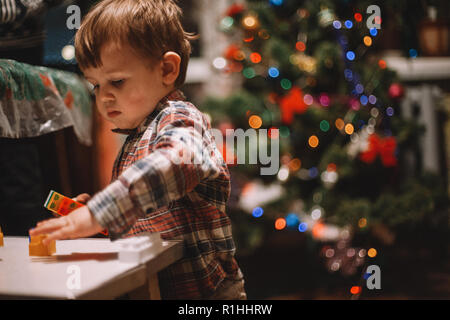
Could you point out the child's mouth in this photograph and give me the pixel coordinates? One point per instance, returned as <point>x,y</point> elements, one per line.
<point>113,114</point>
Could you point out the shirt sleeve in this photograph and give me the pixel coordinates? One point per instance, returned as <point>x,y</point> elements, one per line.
<point>182,157</point>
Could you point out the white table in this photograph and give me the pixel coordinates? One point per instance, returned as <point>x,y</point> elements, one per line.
<point>80,269</point>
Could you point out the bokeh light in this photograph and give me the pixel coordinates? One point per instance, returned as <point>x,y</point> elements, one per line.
<point>302,227</point>
<point>355,290</point>
<point>350,55</point>
<point>280,223</point>
<point>257,212</point>
<point>273,72</point>
<point>339,123</point>
<point>349,129</point>
<point>300,46</point>
<point>255,57</point>
<point>255,121</point>
<point>313,141</point>
<point>324,125</point>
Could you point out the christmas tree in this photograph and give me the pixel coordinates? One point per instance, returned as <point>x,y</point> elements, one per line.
<point>311,69</point>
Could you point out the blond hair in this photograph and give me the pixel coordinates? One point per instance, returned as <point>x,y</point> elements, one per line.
<point>150,27</point>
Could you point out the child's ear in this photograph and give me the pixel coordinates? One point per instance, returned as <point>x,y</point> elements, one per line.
<point>170,67</point>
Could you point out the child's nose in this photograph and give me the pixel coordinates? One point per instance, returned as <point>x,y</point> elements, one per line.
<point>105,96</point>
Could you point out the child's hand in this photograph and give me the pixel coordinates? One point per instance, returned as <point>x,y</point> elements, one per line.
<point>82,198</point>
<point>77,224</point>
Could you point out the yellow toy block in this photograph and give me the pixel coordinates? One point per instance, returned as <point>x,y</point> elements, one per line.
<point>1,237</point>
<point>36,248</point>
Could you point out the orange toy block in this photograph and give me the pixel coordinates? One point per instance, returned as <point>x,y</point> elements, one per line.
<point>63,205</point>
<point>1,238</point>
<point>36,248</point>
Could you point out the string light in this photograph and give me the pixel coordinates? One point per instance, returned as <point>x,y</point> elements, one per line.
<point>295,164</point>
<point>373,32</point>
<point>283,173</point>
<point>390,111</point>
<point>324,125</point>
<point>313,172</point>
<point>348,74</point>
<point>313,141</point>
<point>280,224</point>
<point>349,129</point>
<point>273,72</point>
<point>255,57</point>
<point>339,123</point>
<point>308,99</point>
<point>363,99</point>
<point>249,73</point>
<point>359,88</point>
<point>362,223</point>
<point>255,121</point>
<point>355,289</point>
<point>367,41</point>
<point>302,227</point>
<point>382,64</point>
<point>337,24</point>
<point>250,22</point>
<point>226,23</point>
<point>257,212</point>
<point>324,100</point>
<point>286,84</point>
<point>372,253</point>
<point>358,17</point>
<point>350,55</point>
<point>348,24</point>
<point>300,46</point>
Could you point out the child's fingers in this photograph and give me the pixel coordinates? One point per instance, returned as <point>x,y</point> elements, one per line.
<point>59,234</point>
<point>48,226</point>
<point>83,198</point>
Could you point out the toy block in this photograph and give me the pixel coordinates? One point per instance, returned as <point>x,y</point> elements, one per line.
<point>60,204</point>
<point>139,249</point>
<point>37,248</point>
<point>1,237</point>
<point>63,205</point>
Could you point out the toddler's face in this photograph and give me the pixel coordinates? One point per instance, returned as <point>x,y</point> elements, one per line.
<point>126,88</point>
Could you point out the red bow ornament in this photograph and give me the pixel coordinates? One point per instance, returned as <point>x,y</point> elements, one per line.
<point>385,147</point>
<point>292,103</point>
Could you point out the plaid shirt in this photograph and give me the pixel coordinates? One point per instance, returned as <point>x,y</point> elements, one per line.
<point>170,178</point>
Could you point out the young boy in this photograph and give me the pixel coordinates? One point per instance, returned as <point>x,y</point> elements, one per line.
<point>169,176</point>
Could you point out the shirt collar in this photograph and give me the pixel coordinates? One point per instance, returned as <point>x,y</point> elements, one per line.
<point>172,96</point>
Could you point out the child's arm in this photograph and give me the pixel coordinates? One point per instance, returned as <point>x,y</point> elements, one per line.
<point>183,156</point>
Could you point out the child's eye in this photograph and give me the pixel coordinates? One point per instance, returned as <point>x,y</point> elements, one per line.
<point>117,83</point>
